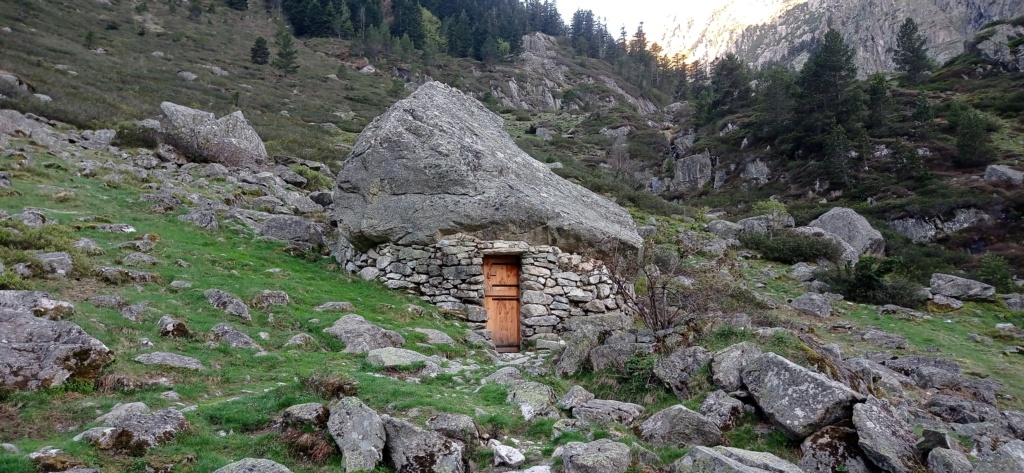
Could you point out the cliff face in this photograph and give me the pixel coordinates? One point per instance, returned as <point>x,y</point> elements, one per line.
<point>786,30</point>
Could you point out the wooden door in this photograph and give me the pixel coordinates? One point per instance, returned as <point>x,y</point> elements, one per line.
<point>501,299</point>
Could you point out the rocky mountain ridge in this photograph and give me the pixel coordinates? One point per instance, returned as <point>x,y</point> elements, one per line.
<point>788,29</point>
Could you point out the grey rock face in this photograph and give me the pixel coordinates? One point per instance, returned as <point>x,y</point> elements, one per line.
<point>814,304</point>
<point>600,411</point>
<point>692,172</point>
<point>38,303</point>
<point>885,438</point>
<point>832,448</point>
<point>295,229</point>
<point>410,449</point>
<point>359,433</point>
<point>995,47</point>
<point>170,359</point>
<point>452,153</point>
<point>798,401</point>
<point>37,353</point>
<point>961,411</point>
<point>722,409</point>
<point>727,365</point>
<point>944,460</point>
<point>228,140</point>
<point>228,303</point>
<point>235,339</point>
<point>577,351</point>
<point>678,425</point>
<point>600,456</point>
<point>360,336</point>
<point>139,431</point>
<point>253,465</point>
<point>999,173</point>
<point>676,369</point>
<point>535,400</point>
<point>853,228</point>
<point>1008,458</point>
<point>962,288</point>
<point>55,265</point>
<point>878,376</point>
<point>455,426</point>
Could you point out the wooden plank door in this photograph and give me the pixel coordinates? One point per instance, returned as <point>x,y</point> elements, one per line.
<point>501,299</point>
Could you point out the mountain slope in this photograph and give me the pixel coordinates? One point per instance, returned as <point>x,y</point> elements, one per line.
<point>785,30</point>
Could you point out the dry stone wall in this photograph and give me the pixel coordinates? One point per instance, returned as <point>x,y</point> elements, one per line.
<point>554,285</point>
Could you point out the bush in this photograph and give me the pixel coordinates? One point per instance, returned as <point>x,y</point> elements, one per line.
<point>132,135</point>
<point>870,282</point>
<point>789,247</point>
<point>995,270</point>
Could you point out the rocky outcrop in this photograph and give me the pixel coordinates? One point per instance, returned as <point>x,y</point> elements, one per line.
<point>1000,173</point>
<point>692,173</point>
<point>438,162</point>
<point>885,438</point>
<point>920,229</point>
<point>600,411</point>
<point>785,31</point>
<point>798,401</point>
<point>676,369</point>
<point>994,45</point>
<point>731,460</point>
<point>228,140</point>
<point>853,229</point>
<point>38,353</point>
<point>727,365</point>
<point>253,465</point>
<point>832,448</point>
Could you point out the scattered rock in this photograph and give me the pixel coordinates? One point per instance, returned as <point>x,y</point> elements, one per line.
<point>961,288</point>
<point>676,369</point>
<point>944,460</point>
<point>228,303</point>
<point>814,304</point>
<point>335,307</point>
<point>577,396</point>
<point>798,401</point>
<point>535,400</point>
<point>232,337</point>
<point>506,375</point>
<point>411,449</point>
<point>139,259</point>
<point>38,303</point>
<point>55,265</point>
<point>170,359</point>
<point>436,337</point>
<point>599,456</point>
<point>170,327</point>
<point>124,276</point>
<point>885,438</point>
<point>505,455</point>
<point>390,357</point>
<point>267,299</point>
<point>885,339</point>
<point>253,465</point>
<point>360,336</point>
<point>601,411</point>
<point>831,449</point>
<point>359,432</point>
<point>679,426</point>
<point>727,365</point>
<point>455,426</point>
<point>228,140</point>
<point>1000,173</point>
<point>852,228</point>
<point>722,409</point>
<point>761,461</point>
<point>295,230</point>
<point>38,353</point>
<point>1009,458</point>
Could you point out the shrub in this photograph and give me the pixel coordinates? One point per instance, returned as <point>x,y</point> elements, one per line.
<point>789,247</point>
<point>871,282</point>
<point>995,270</point>
<point>315,181</point>
<point>132,135</point>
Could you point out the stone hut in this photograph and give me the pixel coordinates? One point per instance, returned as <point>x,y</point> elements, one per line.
<point>437,199</point>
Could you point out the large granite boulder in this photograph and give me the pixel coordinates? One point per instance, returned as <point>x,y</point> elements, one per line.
<point>797,400</point>
<point>692,173</point>
<point>731,460</point>
<point>885,438</point>
<point>203,137</point>
<point>834,448</point>
<point>675,370</point>
<point>601,411</point>
<point>410,449</point>
<point>38,353</point>
<point>361,336</point>
<point>1008,458</point>
<point>599,456</point>
<point>999,173</point>
<point>678,425</point>
<point>359,433</point>
<point>439,163</point>
<point>852,228</point>
<point>962,288</point>
<point>728,363</point>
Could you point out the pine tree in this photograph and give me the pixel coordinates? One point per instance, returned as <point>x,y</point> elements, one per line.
<point>732,84</point>
<point>922,109</point>
<point>195,11</point>
<point>341,23</point>
<point>878,100</point>
<point>837,156</point>
<point>911,55</point>
<point>287,56</point>
<point>827,93</point>
<point>973,143</point>
<point>260,53</point>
